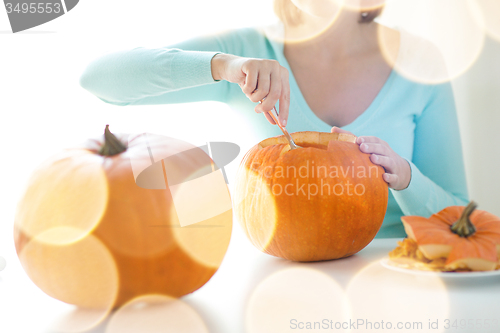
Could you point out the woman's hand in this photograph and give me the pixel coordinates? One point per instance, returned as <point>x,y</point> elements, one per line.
<point>259,79</point>
<point>397,170</point>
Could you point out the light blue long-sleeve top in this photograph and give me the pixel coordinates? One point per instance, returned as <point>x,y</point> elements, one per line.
<point>417,120</point>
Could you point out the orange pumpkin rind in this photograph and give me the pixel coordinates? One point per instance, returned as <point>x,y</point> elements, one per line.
<point>435,240</point>
<point>303,226</point>
<point>87,234</point>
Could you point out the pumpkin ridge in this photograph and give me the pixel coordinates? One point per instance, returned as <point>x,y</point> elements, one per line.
<point>449,214</point>
<point>446,219</point>
<point>424,232</point>
<point>485,236</point>
<point>486,219</point>
<point>473,249</point>
<point>430,238</point>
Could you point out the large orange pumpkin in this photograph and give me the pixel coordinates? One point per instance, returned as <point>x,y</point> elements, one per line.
<point>88,235</point>
<point>324,201</point>
<point>467,238</point>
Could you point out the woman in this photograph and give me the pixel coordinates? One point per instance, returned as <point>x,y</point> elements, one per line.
<point>338,78</point>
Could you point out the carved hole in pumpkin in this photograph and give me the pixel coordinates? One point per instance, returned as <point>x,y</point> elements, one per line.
<point>311,145</point>
<point>309,139</point>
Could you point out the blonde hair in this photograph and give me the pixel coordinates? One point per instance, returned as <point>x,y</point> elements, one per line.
<point>289,14</point>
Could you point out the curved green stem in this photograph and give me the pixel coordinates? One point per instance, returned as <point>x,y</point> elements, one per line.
<point>464,227</point>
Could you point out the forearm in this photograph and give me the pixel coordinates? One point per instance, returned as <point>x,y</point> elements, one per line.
<point>423,197</point>
<point>127,77</point>
<point>437,166</point>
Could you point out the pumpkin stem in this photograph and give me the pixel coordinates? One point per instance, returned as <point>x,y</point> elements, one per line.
<point>112,145</point>
<point>464,227</point>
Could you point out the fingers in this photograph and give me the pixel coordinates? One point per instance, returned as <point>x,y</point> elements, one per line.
<point>390,179</point>
<point>386,162</point>
<point>268,117</point>
<point>250,83</point>
<point>375,148</point>
<point>274,91</point>
<point>260,72</point>
<point>284,99</point>
<point>398,170</point>
<point>336,129</point>
<point>369,139</point>
<point>263,86</point>
<point>267,82</point>
<point>380,154</point>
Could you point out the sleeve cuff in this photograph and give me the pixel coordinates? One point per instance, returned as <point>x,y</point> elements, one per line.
<point>193,68</point>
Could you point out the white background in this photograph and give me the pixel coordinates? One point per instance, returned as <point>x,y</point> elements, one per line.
<point>43,109</point>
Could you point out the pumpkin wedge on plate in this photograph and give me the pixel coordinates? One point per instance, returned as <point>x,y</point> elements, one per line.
<point>457,238</point>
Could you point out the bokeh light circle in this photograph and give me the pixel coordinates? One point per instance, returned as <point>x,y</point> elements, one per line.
<point>251,190</point>
<point>315,17</point>
<point>439,40</point>
<point>67,193</point>
<point>364,5</point>
<point>82,272</point>
<point>490,10</point>
<point>79,320</point>
<point>376,293</point>
<point>292,296</point>
<point>155,314</point>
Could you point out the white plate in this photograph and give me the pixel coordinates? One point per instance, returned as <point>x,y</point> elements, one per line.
<point>386,262</point>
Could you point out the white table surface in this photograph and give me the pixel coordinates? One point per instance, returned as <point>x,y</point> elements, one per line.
<point>256,293</point>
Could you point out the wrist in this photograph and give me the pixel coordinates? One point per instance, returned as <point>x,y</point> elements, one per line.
<point>218,65</point>
<point>407,174</point>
